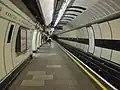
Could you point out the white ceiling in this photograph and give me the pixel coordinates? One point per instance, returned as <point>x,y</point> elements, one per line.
<point>48,5</point>
<point>101,9</point>
<point>81,3</point>
<point>84,3</point>
<point>47,9</point>
<point>61,12</point>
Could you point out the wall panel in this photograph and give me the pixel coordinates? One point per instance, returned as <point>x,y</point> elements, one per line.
<point>3,27</point>
<point>116,56</point>
<point>97,31</point>
<point>85,48</point>
<point>98,35</point>
<point>79,34</point>
<point>106,53</point>
<point>82,46</point>
<point>106,34</point>
<point>115,27</point>
<point>97,51</point>
<point>103,40</point>
<point>34,41</point>
<point>105,30</point>
<point>69,34</point>
<point>91,40</point>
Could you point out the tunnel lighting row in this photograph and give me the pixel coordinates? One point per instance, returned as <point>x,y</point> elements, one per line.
<point>68,17</point>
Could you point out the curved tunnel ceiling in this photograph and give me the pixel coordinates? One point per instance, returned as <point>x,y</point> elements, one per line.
<point>75,11</point>
<point>76,8</point>
<point>47,9</point>
<point>57,7</point>
<point>72,8</point>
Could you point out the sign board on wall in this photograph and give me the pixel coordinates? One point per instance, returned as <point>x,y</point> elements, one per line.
<point>29,39</point>
<point>23,39</point>
<point>12,16</point>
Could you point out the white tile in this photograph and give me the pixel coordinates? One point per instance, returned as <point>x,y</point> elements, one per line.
<point>53,66</point>
<point>106,53</point>
<point>43,77</point>
<point>97,51</point>
<point>86,48</point>
<point>97,31</point>
<point>32,83</point>
<point>36,73</point>
<point>105,30</point>
<point>116,57</point>
<point>115,26</point>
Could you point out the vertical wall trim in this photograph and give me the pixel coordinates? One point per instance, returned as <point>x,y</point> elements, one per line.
<point>88,39</point>
<point>94,39</point>
<point>4,47</point>
<point>111,39</point>
<point>12,44</point>
<point>101,38</point>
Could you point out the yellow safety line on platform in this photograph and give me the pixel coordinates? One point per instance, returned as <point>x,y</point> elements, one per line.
<point>86,71</point>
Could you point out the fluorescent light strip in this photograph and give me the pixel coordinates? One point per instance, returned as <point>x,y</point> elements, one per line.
<point>61,12</point>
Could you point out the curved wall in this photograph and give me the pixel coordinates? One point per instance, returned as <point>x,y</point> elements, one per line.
<point>101,39</point>
<point>11,21</point>
<point>96,30</point>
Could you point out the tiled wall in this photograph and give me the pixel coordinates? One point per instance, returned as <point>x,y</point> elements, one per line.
<point>104,39</point>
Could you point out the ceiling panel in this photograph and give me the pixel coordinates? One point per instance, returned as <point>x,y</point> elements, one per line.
<point>79,6</point>
<point>98,11</point>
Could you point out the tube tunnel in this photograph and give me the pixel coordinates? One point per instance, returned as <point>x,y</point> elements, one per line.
<point>59,45</point>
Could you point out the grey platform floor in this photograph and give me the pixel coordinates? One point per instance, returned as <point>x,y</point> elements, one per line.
<point>52,69</point>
